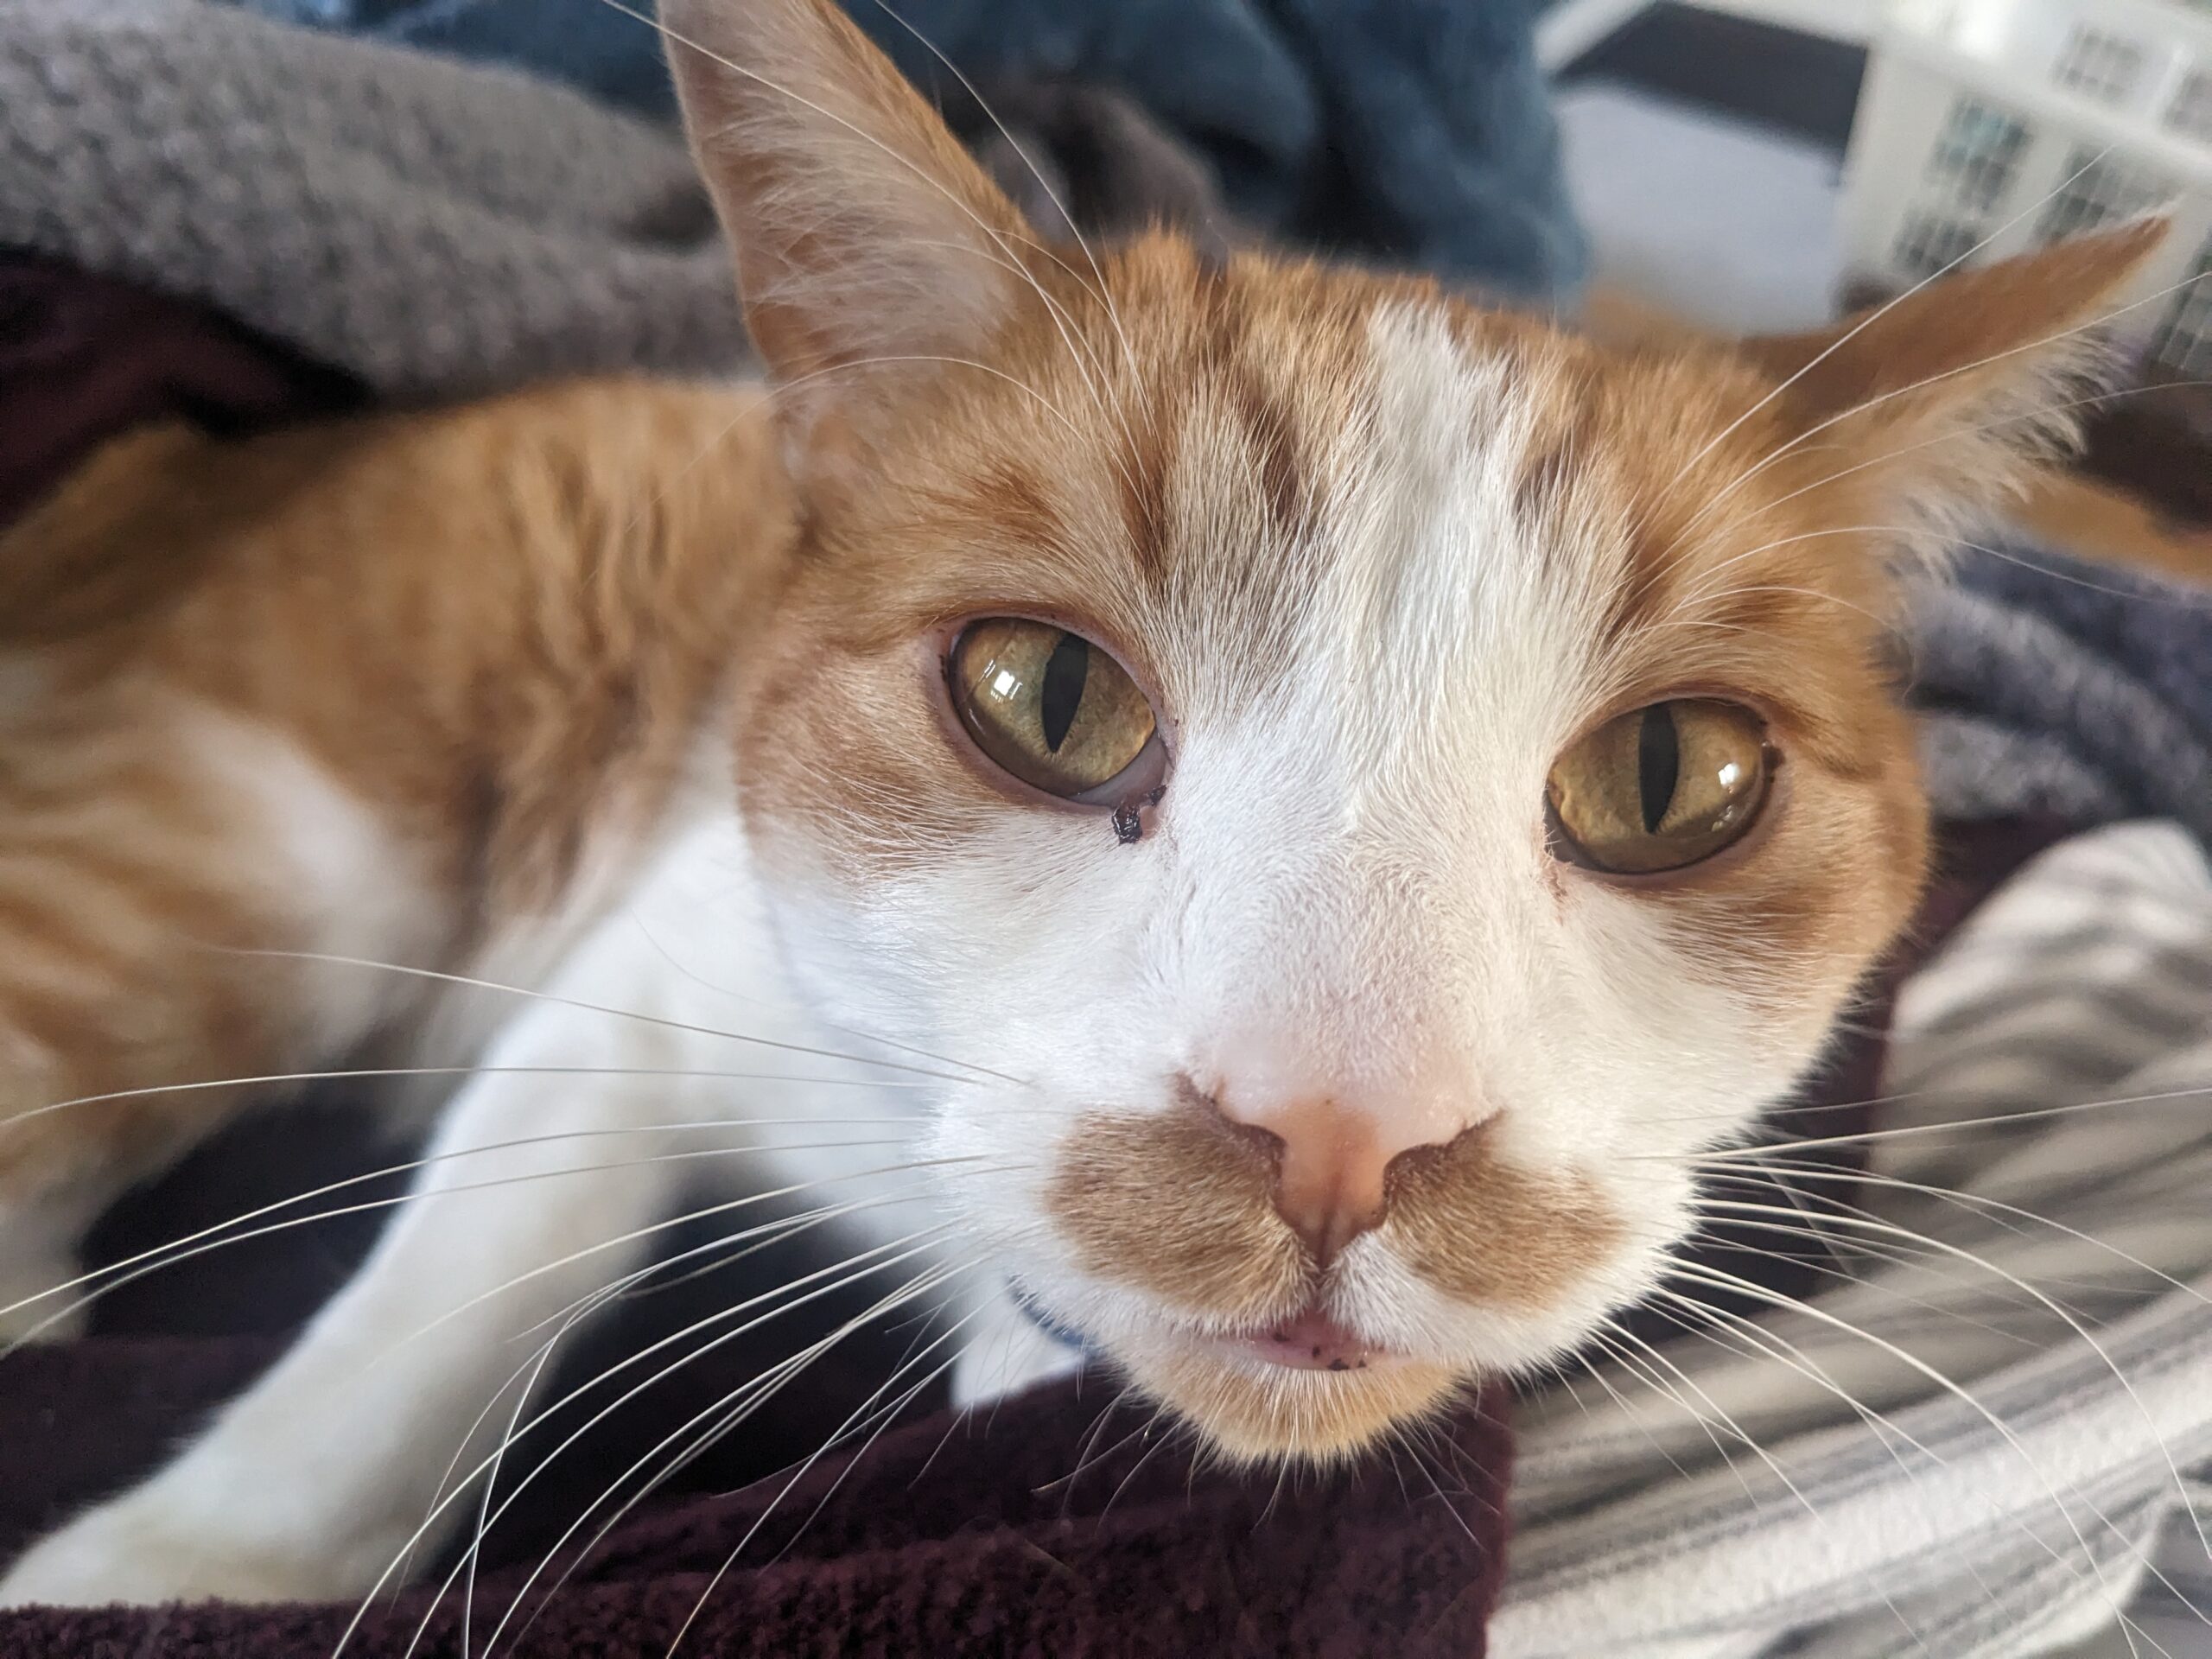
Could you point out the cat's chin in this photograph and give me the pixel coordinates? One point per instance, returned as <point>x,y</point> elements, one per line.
<point>1255,1405</point>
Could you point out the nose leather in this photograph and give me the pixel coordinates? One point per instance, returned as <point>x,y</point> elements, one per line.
<point>1333,1166</point>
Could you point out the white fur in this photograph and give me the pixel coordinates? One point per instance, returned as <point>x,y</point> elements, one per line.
<point>353,887</point>
<point>541,1188</point>
<point>1345,889</point>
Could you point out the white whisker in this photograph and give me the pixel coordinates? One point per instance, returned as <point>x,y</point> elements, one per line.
<point>2049,1303</point>
<point>884,1256</point>
<point>1717,1278</point>
<point>761,1389</point>
<point>2028,348</point>
<point>372,1073</point>
<point>162,1256</point>
<point>1882,310</point>
<point>858,1415</point>
<point>583,1006</point>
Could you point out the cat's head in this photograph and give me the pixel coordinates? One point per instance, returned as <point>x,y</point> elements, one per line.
<point>1372,786</point>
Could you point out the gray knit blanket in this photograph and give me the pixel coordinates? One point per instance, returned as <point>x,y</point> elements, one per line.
<point>1976,1447</point>
<point>439,229</point>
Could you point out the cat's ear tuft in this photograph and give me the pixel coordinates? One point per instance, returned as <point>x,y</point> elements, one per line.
<point>1947,396</point>
<point>865,237</point>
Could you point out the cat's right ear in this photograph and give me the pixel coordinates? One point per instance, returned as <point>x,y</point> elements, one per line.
<point>867,242</point>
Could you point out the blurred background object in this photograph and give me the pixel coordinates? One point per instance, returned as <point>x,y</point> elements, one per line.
<point>1748,164</point>
<point>1414,131</point>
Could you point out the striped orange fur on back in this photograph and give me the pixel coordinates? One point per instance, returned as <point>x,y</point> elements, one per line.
<point>480,643</point>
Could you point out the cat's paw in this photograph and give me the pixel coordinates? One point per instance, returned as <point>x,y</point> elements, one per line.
<point>131,1551</point>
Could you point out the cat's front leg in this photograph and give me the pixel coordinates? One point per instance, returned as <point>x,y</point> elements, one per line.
<point>545,1172</point>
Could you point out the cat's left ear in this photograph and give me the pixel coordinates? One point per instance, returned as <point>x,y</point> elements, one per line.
<point>1945,396</point>
<point>870,247</point>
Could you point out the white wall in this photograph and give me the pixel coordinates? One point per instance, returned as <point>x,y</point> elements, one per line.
<point>1572,27</point>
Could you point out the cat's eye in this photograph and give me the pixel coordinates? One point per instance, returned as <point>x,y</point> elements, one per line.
<point>1053,709</point>
<point>1661,787</point>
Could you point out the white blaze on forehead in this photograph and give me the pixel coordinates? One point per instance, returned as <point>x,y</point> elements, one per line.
<point>1363,843</point>
<point>1443,646</point>
<point>1455,601</point>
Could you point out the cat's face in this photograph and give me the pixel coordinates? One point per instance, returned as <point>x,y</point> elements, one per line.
<point>1375,570</point>
<point>1370,788</point>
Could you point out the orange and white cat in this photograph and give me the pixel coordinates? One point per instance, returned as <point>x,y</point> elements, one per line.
<point>1262,811</point>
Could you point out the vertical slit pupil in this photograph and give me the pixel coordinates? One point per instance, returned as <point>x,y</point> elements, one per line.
<point>1658,764</point>
<point>1065,672</point>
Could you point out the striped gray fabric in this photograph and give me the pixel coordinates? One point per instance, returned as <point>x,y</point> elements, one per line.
<point>1991,1438</point>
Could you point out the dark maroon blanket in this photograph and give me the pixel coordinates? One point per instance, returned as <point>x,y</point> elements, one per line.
<point>1054,1526</point>
<point>944,1540</point>
<point>82,358</point>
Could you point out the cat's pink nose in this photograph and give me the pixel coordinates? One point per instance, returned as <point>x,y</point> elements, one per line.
<point>1332,1181</point>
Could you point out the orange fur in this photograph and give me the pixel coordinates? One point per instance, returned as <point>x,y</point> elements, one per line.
<point>1178,1204</point>
<point>503,630</point>
<point>500,626</point>
<point>1485,1232</point>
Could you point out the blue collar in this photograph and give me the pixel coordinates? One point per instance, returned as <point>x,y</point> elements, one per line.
<point>1066,1335</point>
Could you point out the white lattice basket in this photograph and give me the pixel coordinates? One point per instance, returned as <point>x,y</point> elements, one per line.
<point>2003,124</point>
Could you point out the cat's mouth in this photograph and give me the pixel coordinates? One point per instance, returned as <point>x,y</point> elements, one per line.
<point>1307,1388</point>
<point>1311,1340</point>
